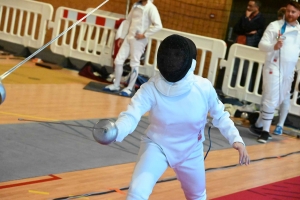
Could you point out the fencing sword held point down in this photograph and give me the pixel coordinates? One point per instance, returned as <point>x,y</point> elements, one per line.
<point>2,89</point>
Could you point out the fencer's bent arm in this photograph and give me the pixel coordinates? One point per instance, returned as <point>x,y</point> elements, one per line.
<point>221,118</point>
<point>156,22</point>
<point>268,40</point>
<point>128,120</point>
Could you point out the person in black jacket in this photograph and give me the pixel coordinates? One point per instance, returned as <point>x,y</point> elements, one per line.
<point>249,30</point>
<point>250,26</point>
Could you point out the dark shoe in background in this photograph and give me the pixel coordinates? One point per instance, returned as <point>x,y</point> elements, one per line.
<point>258,131</point>
<point>263,138</point>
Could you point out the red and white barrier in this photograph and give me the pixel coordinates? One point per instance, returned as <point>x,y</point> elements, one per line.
<point>74,15</point>
<point>24,22</point>
<point>105,13</point>
<point>92,40</point>
<point>95,36</point>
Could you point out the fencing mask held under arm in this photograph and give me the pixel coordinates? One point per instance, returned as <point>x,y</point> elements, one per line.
<point>174,57</point>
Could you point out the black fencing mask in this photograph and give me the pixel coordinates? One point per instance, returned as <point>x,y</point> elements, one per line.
<point>174,57</point>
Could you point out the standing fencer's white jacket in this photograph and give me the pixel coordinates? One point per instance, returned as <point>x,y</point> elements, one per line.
<point>291,45</point>
<point>140,19</point>
<point>177,114</point>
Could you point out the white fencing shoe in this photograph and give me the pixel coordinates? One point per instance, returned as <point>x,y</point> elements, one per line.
<point>127,92</point>
<point>111,88</point>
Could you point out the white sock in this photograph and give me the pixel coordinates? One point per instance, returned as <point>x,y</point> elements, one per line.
<point>284,110</point>
<point>267,117</point>
<point>133,76</point>
<point>118,75</point>
<point>267,125</point>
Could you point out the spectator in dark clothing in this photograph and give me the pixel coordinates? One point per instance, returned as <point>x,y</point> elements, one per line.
<point>251,26</point>
<point>249,30</point>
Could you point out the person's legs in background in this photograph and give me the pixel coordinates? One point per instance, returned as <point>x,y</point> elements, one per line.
<point>119,61</point>
<point>137,48</point>
<point>270,100</point>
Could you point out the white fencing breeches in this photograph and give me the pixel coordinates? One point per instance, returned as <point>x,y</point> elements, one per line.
<point>133,47</point>
<point>152,163</point>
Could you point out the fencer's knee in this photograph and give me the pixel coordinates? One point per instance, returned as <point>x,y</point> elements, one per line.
<point>286,102</point>
<point>138,193</point>
<point>268,106</point>
<point>135,63</point>
<point>197,195</point>
<point>135,196</point>
<point>195,191</point>
<point>141,187</point>
<point>118,66</point>
<point>119,61</point>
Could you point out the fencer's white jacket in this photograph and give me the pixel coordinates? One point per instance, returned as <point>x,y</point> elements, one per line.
<point>291,45</point>
<point>177,114</point>
<point>141,19</point>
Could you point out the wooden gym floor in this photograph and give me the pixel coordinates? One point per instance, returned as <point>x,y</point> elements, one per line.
<point>42,94</point>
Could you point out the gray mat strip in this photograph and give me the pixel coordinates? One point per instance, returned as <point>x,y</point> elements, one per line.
<point>37,149</point>
<point>98,87</point>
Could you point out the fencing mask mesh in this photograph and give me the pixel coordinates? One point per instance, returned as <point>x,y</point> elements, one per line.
<point>174,57</point>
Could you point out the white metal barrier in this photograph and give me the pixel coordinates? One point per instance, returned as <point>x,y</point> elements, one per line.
<point>92,40</point>
<point>105,13</point>
<point>249,58</point>
<point>24,22</point>
<point>216,47</point>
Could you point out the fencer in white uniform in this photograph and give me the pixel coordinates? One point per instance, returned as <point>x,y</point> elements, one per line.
<point>178,103</point>
<point>142,22</point>
<point>278,70</point>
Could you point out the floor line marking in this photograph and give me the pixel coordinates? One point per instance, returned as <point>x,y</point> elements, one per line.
<point>117,190</point>
<point>20,115</point>
<point>53,178</point>
<point>38,192</point>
